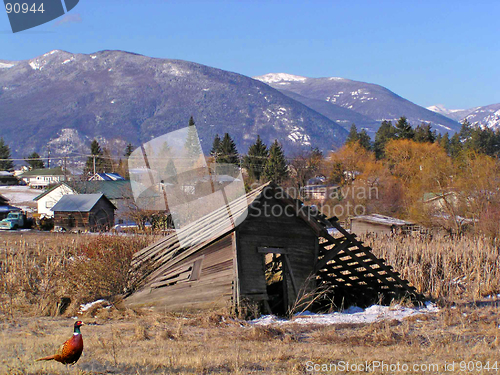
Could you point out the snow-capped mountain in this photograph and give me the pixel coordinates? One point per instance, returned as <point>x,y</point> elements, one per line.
<point>486,117</point>
<point>375,103</point>
<point>66,100</point>
<point>455,114</point>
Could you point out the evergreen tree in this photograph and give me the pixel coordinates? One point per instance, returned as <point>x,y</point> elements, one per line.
<point>353,135</point>
<point>215,151</point>
<point>404,129</point>
<point>256,158</point>
<point>386,132</point>
<point>276,168</point>
<point>34,161</point>
<point>96,152</point>
<point>171,172</point>
<point>455,145</point>
<point>423,134</point>
<point>445,143</point>
<point>465,131</point>
<point>128,150</point>
<point>106,161</point>
<point>164,151</point>
<point>362,137</point>
<point>6,163</point>
<point>192,144</point>
<point>364,140</point>
<point>228,154</point>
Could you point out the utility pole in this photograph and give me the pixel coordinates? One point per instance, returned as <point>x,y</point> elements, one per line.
<point>48,157</point>
<point>65,169</point>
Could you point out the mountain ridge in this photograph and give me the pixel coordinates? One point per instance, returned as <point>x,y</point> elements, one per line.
<point>487,116</point>
<point>92,95</point>
<point>368,99</point>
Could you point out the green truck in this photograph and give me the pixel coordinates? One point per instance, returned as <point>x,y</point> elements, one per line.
<point>13,221</point>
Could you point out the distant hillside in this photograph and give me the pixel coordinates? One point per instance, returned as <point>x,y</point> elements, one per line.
<point>373,102</point>
<point>454,114</point>
<point>487,116</point>
<point>68,99</point>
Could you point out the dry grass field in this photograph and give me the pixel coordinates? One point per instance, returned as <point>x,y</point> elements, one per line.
<point>37,270</point>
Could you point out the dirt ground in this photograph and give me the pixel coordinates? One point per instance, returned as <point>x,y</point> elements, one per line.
<point>145,342</point>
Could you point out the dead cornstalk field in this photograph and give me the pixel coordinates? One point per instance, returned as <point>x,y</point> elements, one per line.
<point>38,272</point>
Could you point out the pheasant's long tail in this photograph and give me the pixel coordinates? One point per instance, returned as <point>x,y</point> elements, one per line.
<point>48,358</point>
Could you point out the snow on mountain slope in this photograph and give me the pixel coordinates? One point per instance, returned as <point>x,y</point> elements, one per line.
<point>486,117</point>
<point>280,78</point>
<point>455,114</point>
<point>370,100</point>
<point>74,98</point>
<point>6,65</point>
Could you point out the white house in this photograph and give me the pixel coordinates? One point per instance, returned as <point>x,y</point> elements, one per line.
<point>50,197</point>
<point>43,178</point>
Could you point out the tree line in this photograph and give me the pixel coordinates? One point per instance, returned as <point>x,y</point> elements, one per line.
<point>469,138</point>
<point>33,160</point>
<point>261,162</point>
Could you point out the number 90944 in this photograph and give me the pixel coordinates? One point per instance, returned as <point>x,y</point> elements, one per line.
<point>23,8</point>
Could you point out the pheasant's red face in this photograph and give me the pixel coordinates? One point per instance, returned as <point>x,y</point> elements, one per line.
<point>78,324</point>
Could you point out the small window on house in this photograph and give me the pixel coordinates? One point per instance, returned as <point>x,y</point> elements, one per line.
<point>49,204</point>
<point>187,273</point>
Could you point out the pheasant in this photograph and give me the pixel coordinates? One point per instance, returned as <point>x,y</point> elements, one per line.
<point>71,350</point>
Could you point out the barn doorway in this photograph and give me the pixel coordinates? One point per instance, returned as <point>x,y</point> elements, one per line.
<point>276,283</point>
<point>278,280</point>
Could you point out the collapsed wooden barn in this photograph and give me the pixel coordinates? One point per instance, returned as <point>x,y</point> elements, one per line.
<point>278,252</point>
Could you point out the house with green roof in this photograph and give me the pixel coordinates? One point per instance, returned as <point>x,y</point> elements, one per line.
<point>43,178</point>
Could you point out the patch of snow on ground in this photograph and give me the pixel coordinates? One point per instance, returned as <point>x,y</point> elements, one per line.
<point>5,66</point>
<point>19,194</point>
<point>353,315</point>
<point>89,305</point>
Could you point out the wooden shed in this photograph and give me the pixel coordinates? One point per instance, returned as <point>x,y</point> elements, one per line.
<point>379,224</point>
<point>92,212</point>
<point>280,250</point>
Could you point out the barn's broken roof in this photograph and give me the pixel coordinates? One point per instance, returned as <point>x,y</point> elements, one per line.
<point>78,202</point>
<point>196,235</point>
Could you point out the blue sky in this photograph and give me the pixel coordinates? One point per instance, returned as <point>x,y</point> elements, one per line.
<point>430,52</point>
